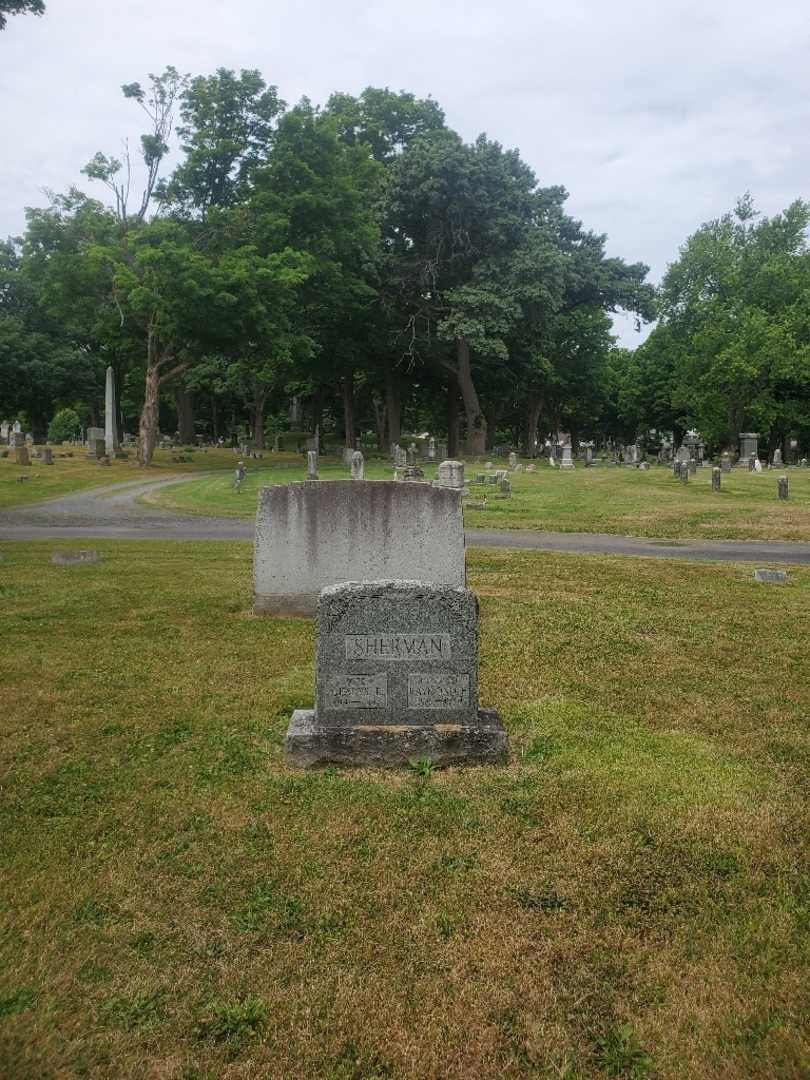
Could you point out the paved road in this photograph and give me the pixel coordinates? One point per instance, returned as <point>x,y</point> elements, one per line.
<point>112,513</point>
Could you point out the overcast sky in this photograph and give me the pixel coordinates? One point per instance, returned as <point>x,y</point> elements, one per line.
<point>654,115</point>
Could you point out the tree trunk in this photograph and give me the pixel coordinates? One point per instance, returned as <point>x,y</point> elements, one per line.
<point>259,399</point>
<point>379,420</point>
<point>214,418</point>
<point>347,394</point>
<point>530,429</point>
<point>492,427</point>
<point>393,406</point>
<point>317,409</point>
<point>452,415</point>
<point>147,431</point>
<point>185,415</point>
<point>476,421</point>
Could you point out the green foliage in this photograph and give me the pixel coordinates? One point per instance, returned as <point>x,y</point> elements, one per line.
<point>19,7</point>
<point>64,426</point>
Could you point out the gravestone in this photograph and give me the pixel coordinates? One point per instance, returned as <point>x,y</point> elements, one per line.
<point>757,466</point>
<point>21,454</point>
<point>450,474</point>
<point>396,680</point>
<point>552,462</point>
<point>692,466</point>
<point>505,486</point>
<point>778,577</point>
<point>110,426</point>
<point>310,534</point>
<point>725,462</point>
<point>518,468</point>
<point>431,450</point>
<point>358,465</point>
<point>588,457</point>
<point>93,433</point>
<point>47,455</point>
<point>98,449</point>
<point>644,465</point>
<point>411,455</point>
<point>531,468</point>
<point>782,487</point>
<point>566,462</point>
<point>777,458</point>
<point>683,472</point>
<point>347,456</point>
<point>312,464</point>
<point>716,474</point>
<point>74,558</point>
<point>512,461</point>
<point>749,445</point>
<point>803,463</point>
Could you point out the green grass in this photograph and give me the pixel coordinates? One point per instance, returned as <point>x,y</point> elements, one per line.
<point>622,501</point>
<point>75,473</point>
<point>629,897</point>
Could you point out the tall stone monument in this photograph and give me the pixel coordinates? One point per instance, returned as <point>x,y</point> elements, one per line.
<point>312,464</point>
<point>749,444</point>
<point>111,443</point>
<point>358,465</point>
<point>567,461</point>
<point>396,680</point>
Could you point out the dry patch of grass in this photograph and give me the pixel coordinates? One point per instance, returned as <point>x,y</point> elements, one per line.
<point>629,897</point>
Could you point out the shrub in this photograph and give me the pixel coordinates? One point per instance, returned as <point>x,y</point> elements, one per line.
<point>65,425</point>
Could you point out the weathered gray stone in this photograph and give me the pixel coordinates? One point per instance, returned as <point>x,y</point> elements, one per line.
<point>347,456</point>
<point>513,461</point>
<point>47,455</point>
<point>757,466</point>
<point>782,487</point>
<point>450,474</point>
<point>92,434</point>
<point>692,466</point>
<point>396,680</point>
<point>566,462</point>
<point>312,464</point>
<point>716,475</point>
<point>431,450</point>
<point>778,577</point>
<point>725,462</point>
<point>21,455</point>
<point>777,458</point>
<point>313,534</point>
<point>74,558</point>
<point>683,473</point>
<point>358,465</point>
<point>110,425</point>
<point>749,446</point>
<point>531,468</point>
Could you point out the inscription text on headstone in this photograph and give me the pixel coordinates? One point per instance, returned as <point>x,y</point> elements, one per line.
<point>438,690</point>
<point>398,647</point>
<point>358,691</point>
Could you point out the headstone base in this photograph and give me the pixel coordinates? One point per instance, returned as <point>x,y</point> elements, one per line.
<point>309,744</point>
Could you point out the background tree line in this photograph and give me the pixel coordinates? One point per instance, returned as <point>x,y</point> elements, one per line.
<point>365,260</point>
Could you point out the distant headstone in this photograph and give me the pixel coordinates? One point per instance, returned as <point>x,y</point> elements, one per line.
<point>21,455</point>
<point>803,463</point>
<point>396,680</point>
<point>450,474</point>
<point>644,465</point>
<point>505,486</point>
<point>782,487</point>
<point>725,462</point>
<point>93,433</point>
<point>411,456</point>
<point>47,455</point>
<point>716,475</point>
<point>692,464</point>
<point>757,465</point>
<point>552,461</point>
<point>518,468</point>
<point>749,446</point>
<point>358,465</point>
<point>74,558</point>
<point>347,456</point>
<point>513,460</point>
<point>313,534</point>
<point>588,456</point>
<point>431,450</point>
<point>531,468</point>
<point>777,458</point>
<point>683,472</point>
<point>312,464</point>
<point>770,576</point>
<point>487,464</point>
<point>97,449</point>
<point>676,467</point>
<point>567,462</point>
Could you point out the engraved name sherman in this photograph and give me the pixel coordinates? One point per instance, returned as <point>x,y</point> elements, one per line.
<point>440,690</point>
<point>398,647</point>
<point>358,691</point>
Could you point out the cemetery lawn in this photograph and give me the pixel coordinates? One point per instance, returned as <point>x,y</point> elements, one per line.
<point>69,474</point>
<point>625,502</point>
<point>630,897</point>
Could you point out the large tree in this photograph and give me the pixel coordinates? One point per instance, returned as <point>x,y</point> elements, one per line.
<point>19,7</point>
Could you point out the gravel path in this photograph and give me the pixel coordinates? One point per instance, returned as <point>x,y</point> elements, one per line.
<point>113,513</point>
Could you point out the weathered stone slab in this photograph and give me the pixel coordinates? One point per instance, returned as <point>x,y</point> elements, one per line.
<point>396,679</point>
<point>74,558</point>
<point>312,534</point>
<point>771,576</point>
